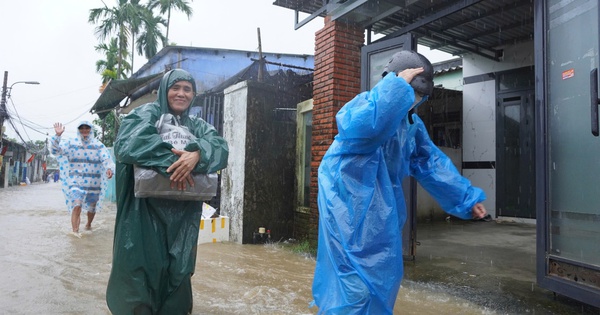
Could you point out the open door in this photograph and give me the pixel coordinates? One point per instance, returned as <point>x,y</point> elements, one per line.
<point>568,147</point>
<point>374,58</point>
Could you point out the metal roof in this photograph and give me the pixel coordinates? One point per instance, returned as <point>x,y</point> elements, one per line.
<point>447,66</point>
<point>481,27</point>
<point>117,90</point>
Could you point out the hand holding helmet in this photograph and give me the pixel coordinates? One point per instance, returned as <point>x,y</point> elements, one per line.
<point>409,74</point>
<point>421,82</point>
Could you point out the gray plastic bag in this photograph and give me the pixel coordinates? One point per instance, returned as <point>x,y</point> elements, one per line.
<point>151,184</point>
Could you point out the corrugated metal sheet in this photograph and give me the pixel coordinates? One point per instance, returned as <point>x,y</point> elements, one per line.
<point>118,90</point>
<point>477,26</point>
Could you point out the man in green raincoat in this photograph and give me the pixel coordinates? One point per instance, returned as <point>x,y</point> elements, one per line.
<point>155,241</point>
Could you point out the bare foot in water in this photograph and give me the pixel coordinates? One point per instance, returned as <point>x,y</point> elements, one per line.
<point>75,234</point>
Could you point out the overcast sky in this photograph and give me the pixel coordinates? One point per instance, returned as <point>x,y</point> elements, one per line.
<point>51,42</point>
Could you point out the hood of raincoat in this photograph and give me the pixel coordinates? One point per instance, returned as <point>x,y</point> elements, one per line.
<point>168,80</point>
<point>84,123</point>
<point>89,124</point>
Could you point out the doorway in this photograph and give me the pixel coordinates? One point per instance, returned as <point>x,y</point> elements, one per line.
<point>515,144</point>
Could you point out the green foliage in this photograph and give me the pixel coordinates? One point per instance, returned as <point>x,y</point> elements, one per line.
<point>109,128</point>
<point>150,36</point>
<point>37,147</point>
<point>305,248</point>
<point>122,20</point>
<point>108,68</point>
<point>166,6</point>
<point>52,162</point>
<point>133,27</point>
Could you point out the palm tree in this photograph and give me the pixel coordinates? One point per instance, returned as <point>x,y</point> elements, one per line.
<point>108,72</point>
<point>121,19</point>
<point>165,6</point>
<point>107,67</point>
<point>151,37</point>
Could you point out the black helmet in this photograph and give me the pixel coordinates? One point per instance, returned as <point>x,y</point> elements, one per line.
<point>405,59</point>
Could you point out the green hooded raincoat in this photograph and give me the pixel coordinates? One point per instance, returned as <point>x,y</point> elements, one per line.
<point>155,241</point>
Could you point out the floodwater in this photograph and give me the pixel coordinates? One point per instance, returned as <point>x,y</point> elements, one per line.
<point>46,271</point>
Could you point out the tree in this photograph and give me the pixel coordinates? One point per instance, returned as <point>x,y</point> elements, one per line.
<point>123,20</point>
<point>109,135</point>
<point>37,146</point>
<point>150,37</point>
<point>107,68</point>
<point>165,6</point>
<point>52,162</point>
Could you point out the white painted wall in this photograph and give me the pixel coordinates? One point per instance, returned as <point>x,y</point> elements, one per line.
<point>232,177</point>
<point>479,114</point>
<point>515,56</point>
<point>450,80</point>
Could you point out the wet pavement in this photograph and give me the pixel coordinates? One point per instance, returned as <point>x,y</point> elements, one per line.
<point>490,264</point>
<point>460,268</point>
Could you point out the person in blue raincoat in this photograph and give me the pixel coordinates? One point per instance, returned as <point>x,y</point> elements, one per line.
<point>361,203</point>
<point>155,240</point>
<point>85,166</point>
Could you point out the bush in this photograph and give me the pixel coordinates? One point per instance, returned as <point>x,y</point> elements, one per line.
<point>304,247</point>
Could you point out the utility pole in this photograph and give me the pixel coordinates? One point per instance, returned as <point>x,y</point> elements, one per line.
<point>261,62</point>
<point>3,112</point>
<point>5,95</point>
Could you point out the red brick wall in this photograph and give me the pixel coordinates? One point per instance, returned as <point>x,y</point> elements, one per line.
<point>336,81</point>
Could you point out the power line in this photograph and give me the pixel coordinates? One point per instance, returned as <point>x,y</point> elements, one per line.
<point>27,124</point>
<point>13,104</point>
<point>60,95</point>
<point>44,127</point>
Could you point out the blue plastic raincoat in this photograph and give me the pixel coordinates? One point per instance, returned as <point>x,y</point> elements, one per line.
<point>83,163</point>
<point>155,243</point>
<point>361,203</point>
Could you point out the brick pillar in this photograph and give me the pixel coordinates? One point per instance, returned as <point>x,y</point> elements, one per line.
<point>336,81</point>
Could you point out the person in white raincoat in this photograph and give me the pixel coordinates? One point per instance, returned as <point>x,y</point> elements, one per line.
<point>85,166</point>
<point>360,198</point>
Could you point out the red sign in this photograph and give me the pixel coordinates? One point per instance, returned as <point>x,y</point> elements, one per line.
<point>567,74</point>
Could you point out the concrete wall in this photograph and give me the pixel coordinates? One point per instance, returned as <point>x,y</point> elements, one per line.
<point>452,80</point>
<point>257,187</point>
<point>479,113</point>
<point>232,177</point>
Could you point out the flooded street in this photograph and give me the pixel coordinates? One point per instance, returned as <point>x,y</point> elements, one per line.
<point>46,271</point>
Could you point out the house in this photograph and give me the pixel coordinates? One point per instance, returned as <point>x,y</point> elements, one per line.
<point>209,66</point>
<point>529,111</point>
<point>19,164</point>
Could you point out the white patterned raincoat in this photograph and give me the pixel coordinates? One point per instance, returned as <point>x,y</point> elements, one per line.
<point>83,163</point>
